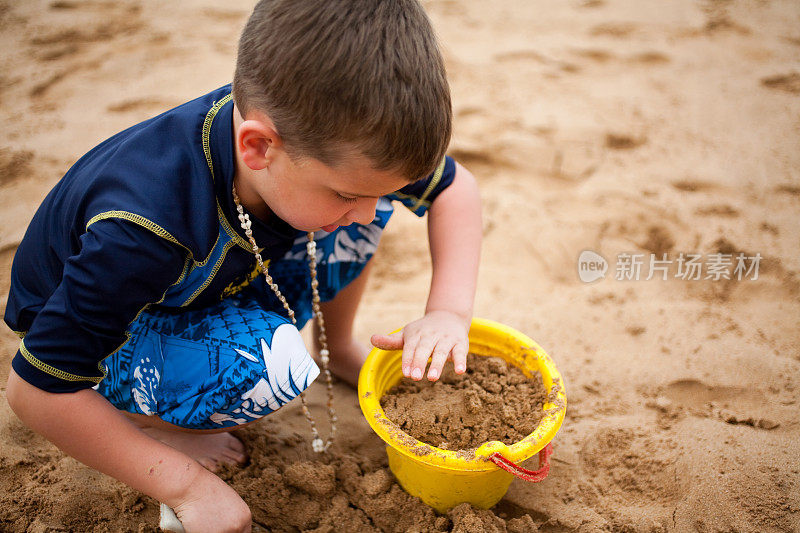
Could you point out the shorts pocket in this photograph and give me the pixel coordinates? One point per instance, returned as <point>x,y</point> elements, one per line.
<point>145,371</point>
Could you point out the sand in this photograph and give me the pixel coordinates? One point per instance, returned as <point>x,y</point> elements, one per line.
<point>491,401</point>
<point>610,126</point>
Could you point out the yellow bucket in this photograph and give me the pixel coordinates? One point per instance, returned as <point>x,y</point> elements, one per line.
<point>443,478</point>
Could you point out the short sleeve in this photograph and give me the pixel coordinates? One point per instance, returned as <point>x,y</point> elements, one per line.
<point>419,195</point>
<point>119,270</point>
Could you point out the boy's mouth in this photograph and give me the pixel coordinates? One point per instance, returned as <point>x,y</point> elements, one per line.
<point>329,228</point>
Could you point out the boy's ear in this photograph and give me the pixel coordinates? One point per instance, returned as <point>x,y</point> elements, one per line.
<point>257,140</point>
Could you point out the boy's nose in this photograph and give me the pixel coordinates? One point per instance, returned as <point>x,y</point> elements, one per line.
<point>364,211</point>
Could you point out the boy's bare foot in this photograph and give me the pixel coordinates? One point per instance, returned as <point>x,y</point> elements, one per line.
<point>210,450</point>
<point>346,361</point>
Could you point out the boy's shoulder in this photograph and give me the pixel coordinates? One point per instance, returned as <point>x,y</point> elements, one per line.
<point>163,174</point>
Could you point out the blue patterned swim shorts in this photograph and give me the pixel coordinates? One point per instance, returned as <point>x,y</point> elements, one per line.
<point>209,368</point>
<point>241,359</point>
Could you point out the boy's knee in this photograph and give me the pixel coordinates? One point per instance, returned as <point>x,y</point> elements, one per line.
<point>13,391</point>
<point>21,395</point>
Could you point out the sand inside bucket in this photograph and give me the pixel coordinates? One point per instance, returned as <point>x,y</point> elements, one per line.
<point>493,400</point>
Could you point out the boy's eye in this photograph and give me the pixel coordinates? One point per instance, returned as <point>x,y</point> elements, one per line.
<point>346,199</point>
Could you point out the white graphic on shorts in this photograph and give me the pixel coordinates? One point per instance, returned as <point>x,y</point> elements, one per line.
<point>147,378</point>
<point>289,370</point>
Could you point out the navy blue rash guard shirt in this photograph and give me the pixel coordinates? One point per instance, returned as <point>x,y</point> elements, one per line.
<point>128,226</point>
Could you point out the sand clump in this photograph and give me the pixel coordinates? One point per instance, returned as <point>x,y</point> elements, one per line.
<point>493,400</point>
<point>287,486</point>
<point>341,491</point>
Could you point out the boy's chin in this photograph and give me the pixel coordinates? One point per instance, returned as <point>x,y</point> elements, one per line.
<point>314,229</point>
<point>328,228</point>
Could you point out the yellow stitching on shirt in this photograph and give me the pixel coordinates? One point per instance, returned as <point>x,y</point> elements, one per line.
<point>158,230</point>
<point>209,120</point>
<point>183,275</point>
<point>207,129</point>
<point>151,226</point>
<point>53,371</point>
<point>437,176</point>
<point>236,239</point>
<point>228,245</point>
<point>229,230</point>
<point>136,219</point>
<point>403,196</point>
<point>20,334</point>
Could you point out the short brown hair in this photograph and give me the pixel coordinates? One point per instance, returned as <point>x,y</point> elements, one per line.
<point>338,75</point>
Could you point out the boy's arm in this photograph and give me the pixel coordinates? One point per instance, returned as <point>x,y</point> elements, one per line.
<point>119,269</point>
<point>86,426</point>
<point>455,232</point>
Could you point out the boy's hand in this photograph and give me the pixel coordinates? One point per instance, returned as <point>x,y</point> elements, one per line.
<point>211,505</point>
<point>443,334</point>
<point>455,232</point>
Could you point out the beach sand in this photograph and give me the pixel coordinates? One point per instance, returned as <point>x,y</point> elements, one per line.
<point>620,127</point>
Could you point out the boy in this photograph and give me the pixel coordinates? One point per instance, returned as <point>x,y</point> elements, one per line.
<point>148,329</point>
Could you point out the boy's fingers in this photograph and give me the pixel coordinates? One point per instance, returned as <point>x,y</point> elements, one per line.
<point>421,354</point>
<point>388,342</point>
<point>409,346</point>
<point>440,355</point>
<point>460,357</point>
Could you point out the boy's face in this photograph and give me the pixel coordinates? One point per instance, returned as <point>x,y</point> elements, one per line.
<point>310,195</point>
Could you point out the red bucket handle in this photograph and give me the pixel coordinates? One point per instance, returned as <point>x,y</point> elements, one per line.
<point>528,475</point>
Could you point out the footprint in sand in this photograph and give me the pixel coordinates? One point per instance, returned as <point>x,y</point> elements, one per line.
<point>719,210</point>
<point>141,104</point>
<point>733,405</point>
<point>632,465</point>
<point>594,54</point>
<point>649,58</point>
<point>473,157</point>
<point>521,55</point>
<point>692,185</point>
<point>792,190</point>
<point>659,241</point>
<point>115,21</point>
<point>789,83</point>
<point>718,19</point>
<point>613,29</point>
<point>14,164</point>
<point>623,141</point>
<point>225,15</point>
<point>643,225</point>
<point>68,42</point>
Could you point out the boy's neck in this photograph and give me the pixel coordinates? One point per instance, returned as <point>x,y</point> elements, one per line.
<point>244,175</point>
